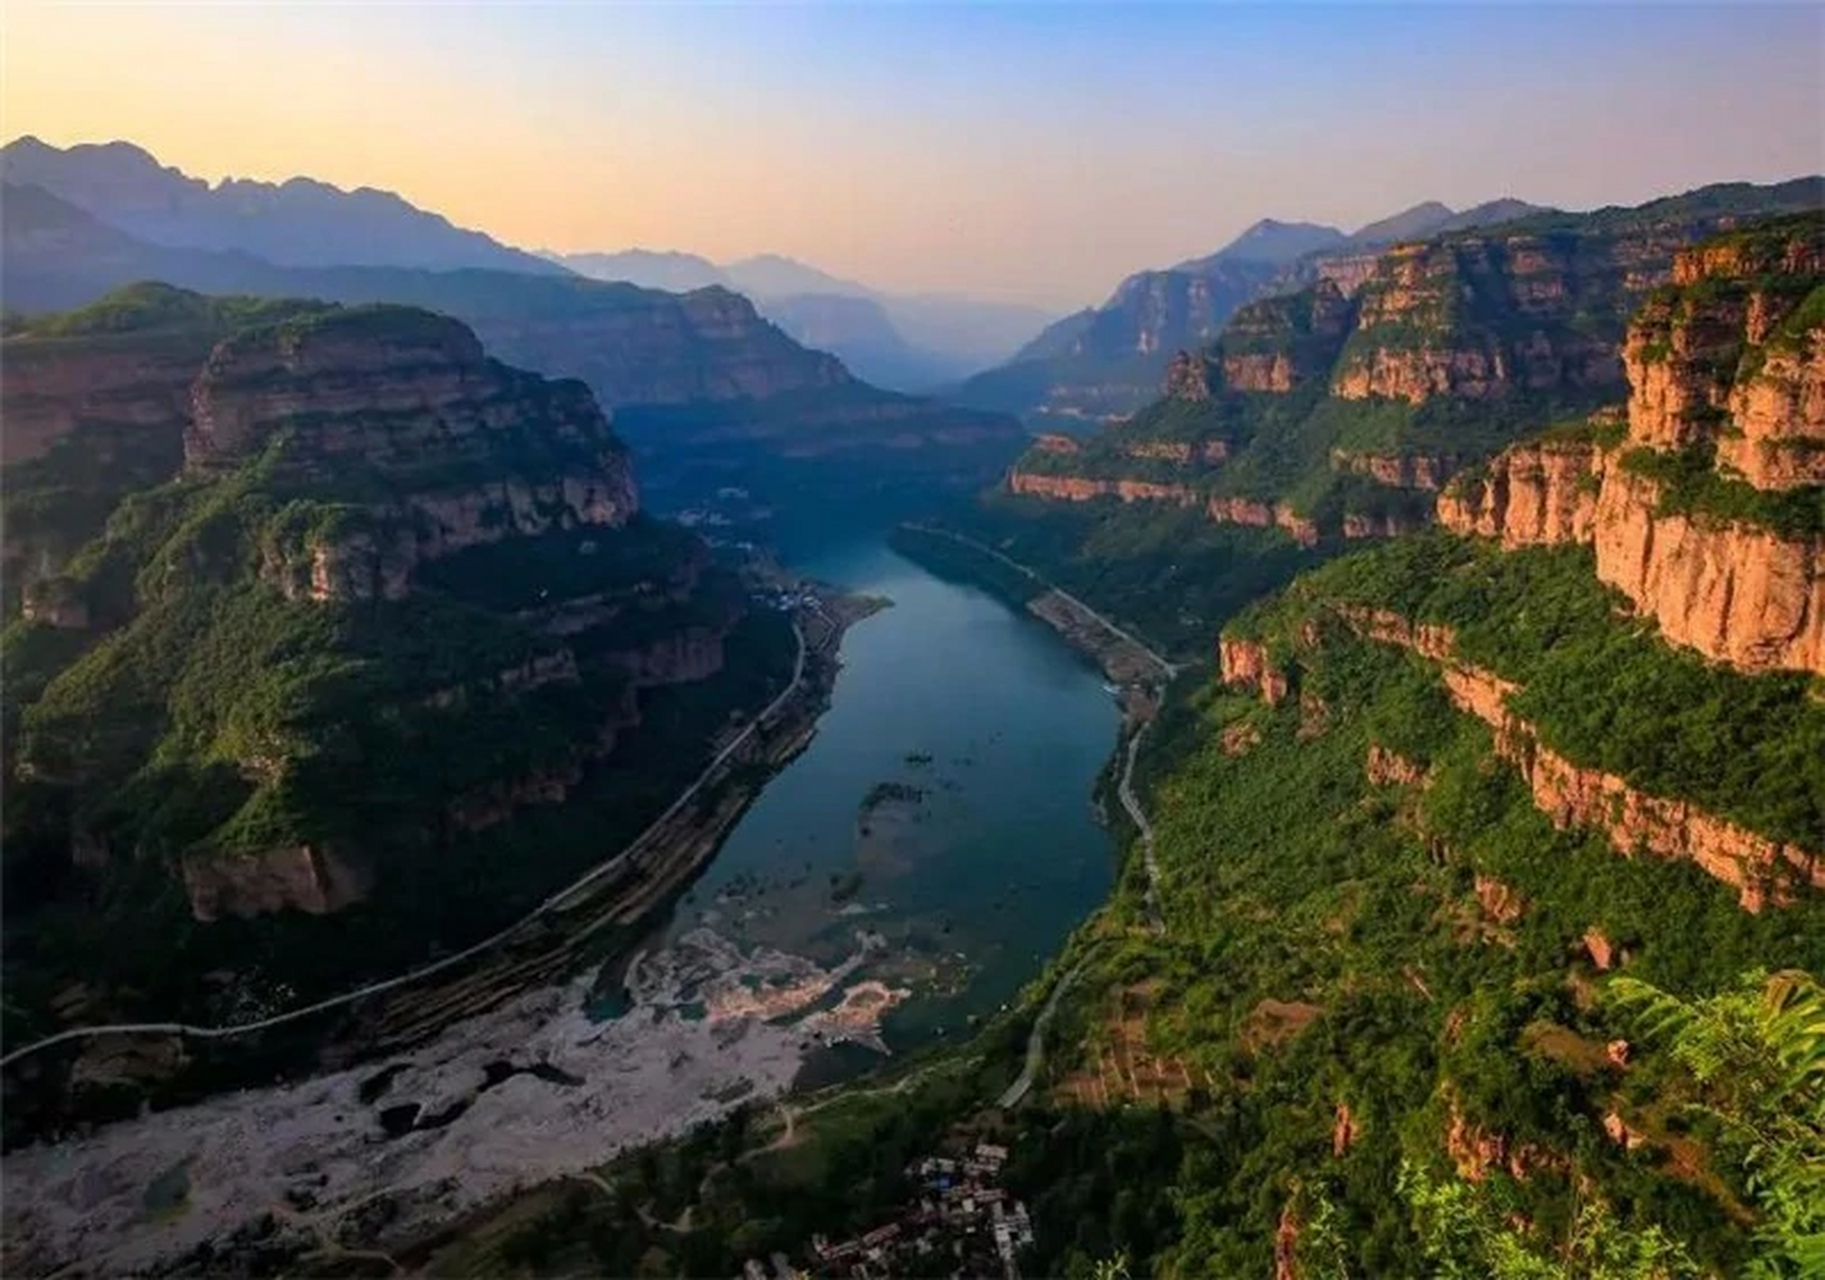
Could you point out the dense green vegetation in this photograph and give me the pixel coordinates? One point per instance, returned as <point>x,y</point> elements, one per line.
<point>151,307</point>
<point>1690,484</point>
<point>1406,999</point>
<point>1604,692</point>
<point>1363,910</point>
<point>192,706</point>
<point>1169,572</point>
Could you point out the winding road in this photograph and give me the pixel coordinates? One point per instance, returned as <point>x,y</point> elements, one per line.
<point>1133,806</point>
<point>555,902</point>
<point>1167,669</point>
<point>1036,1042</point>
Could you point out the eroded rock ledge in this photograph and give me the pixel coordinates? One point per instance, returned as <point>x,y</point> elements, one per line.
<point>1571,795</point>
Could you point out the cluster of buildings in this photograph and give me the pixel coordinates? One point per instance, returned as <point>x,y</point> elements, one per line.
<point>786,601</point>
<point>964,1224</point>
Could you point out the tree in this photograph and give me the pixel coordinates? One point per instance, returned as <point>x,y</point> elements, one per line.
<point>1468,1233</point>
<point>1757,1051</point>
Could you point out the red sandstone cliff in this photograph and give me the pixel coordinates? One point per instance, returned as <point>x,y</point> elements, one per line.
<point>1729,365</point>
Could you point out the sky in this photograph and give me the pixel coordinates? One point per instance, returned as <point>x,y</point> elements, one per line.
<point>1032,152</point>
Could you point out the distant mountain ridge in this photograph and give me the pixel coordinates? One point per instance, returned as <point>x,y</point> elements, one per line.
<point>300,222</point>
<point>1273,242</point>
<point>1105,362</point>
<point>695,380</point>
<point>910,342</point>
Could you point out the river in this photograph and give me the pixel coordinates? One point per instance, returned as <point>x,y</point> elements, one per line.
<point>912,868</point>
<point>944,805</point>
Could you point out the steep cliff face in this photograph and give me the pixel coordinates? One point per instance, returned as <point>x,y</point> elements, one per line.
<point>53,384</point>
<point>1080,489</point>
<point>663,349</point>
<point>386,549</point>
<point>1262,515</point>
<point>1454,346</point>
<point>1570,794</point>
<point>95,405</point>
<point>1538,494</point>
<point>1276,344</point>
<point>1706,511</point>
<point>1421,471</point>
<point>1780,412</point>
<point>294,878</point>
<point>1479,317</point>
<point>436,433</point>
<point>1732,356</point>
<point>1735,592</point>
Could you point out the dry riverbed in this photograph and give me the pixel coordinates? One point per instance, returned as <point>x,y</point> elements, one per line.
<point>382,1154</point>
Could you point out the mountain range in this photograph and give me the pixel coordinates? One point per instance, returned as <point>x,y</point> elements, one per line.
<point>296,223</point>
<point>910,342</point>
<point>1104,362</point>
<point>692,379</point>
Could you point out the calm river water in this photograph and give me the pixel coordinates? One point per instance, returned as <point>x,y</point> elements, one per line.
<point>944,804</point>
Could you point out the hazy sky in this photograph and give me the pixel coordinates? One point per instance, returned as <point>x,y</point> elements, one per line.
<point>1028,151</point>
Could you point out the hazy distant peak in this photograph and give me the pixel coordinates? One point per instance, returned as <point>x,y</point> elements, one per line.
<point>1490,212</point>
<point>1270,241</point>
<point>775,275</point>
<point>1420,220</point>
<point>1433,218</point>
<point>667,269</point>
<point>301,221</point>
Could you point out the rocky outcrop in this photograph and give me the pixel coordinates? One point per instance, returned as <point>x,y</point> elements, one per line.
<point>1344,1130</point>
<point>1727,378</point>
<point>1083,489</point>
<point>1569,794</point>
<point>1188,377</point>
<point>641,346</point>
<point>1731,590</point>
<point>1500,902</point>
<point>1359,526</point>
<point>49,386</point>
<point>1425,472</point>
<point>1779,415</point>
<point>1245,663</point>
<point>1716,359</point>
<point>444,448</point>
<point>1602,952</point>
<point>1261,515</point>
<point>297,877</point>
<point>1348,272</point>
<point>1054,443</point>
<point>1538,494</point>
<point>1385,767</point>
<point>1485,315</point>
<point>1418,376</point>
<point>1477,1151</point>
<point>1277,344</point>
